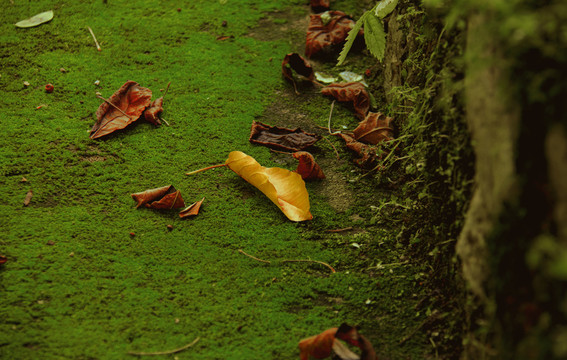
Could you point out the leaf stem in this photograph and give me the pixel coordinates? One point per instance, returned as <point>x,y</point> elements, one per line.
<point>165,352</point>
<point>253,257</point>
<point>205,168</point>
<point>94,38</point>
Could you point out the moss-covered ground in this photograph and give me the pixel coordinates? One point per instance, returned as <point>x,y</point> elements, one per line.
<point>78,285</point>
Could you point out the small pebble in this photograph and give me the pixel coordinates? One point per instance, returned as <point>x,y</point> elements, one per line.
<point>169,227</point>
<point>63,70</point>
<point>26,84</point>
<point>50,242</point>
<point>97,83</point>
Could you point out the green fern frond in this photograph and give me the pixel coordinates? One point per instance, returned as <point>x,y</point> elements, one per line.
<point>350,39</point>
<point>374,36</point>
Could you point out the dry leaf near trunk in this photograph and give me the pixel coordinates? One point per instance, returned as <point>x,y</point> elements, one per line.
<point>129,102</point>
<point>320,5</point>
<point>322,345</point>
<point>284,188</point>
<point>375,128</point>
<point>367,153</point>
<point>191,210</point>
<point>28,198</point>
<point>327,29</point>
<point>295,63</point>
<point>281,138</point>
<point>353,91</point>
<point>307,167</point>
<point>152,112</point>
<point>166,197</point>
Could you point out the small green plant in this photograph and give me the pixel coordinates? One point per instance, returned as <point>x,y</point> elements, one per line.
<point>374,35</point>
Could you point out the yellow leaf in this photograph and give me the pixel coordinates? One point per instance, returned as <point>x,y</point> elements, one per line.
<point>285,188</point>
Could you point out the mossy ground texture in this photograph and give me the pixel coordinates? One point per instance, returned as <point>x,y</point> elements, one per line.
<point>78,285</point>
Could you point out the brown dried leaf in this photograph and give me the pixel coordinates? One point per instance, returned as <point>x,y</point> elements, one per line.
<point>281,138</point>
<point>152,112</point>
<point>131,99</point>
<point>353,91</point>
<point>374,129</point>
<point>367,153</point>
<point>295,62</point>
<point>320,5</point>
<point>166,197</point>
<point>320,346</point>
<point>3,259</point>
<point>321,35</point>
<point>308,168</point>
<point>28,198</point>
<point>191,210</point>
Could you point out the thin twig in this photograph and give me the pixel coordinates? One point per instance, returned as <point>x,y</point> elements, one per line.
<point>114,106</point>
<point>314,261</point>
<point>330,116</point>
<point>165,352</point>
<point>333,146</point>
<point>205,168</point>
<point>166,89</point>
<point>281,152</point>
<point>253,257</point>
<point>162,119</point>
<point>94,38</point>
<point>340,230</point>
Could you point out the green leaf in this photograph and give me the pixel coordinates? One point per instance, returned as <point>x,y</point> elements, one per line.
<point>350,39</point>
<point>374,36</point>
<point>36,20</point>
<point>385,7</point>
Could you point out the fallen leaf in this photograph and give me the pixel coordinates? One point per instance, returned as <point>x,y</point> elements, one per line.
<point>3,259</point>
<point>166,197</point>
<point>320,346</point>
<point>327,79</point>
<point>375,128</point>
<point>353,91</point>
<point>327,29</point>
<point>191,210</point>
<point>152,112</point>
<point>281,138</point>
<point>295,62</point>
<point>343,352</point>
<point>367,153</point>
<point>349,76</point>
<point>308,168</point>
<point>320,5</point>
<point>28,198</point>
<point>284,188</point>
<point>129,102</point>
<point>36,20</point>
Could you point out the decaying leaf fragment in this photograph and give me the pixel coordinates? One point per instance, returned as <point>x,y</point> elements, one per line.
<point>308,167</point>
<point>327,29</point>
<point>281,138</point>
<point>295,62</point>
<point>284,188</point>
<point>367,153</point>
<point>320,5</point>
<point>322,345</point>
<point>353,91</point>
<point>152,112</point>
<point>3,259</point>
<point>191,210</point>
<point>28,198</point>
<point>375,128</point>
<point>166,197</point>
<point>129,102</point>
<point>36,20</point>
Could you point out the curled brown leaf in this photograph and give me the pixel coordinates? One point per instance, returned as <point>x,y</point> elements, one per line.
<point>191,210</point>
<point>293,62</point>
<point>152,112</point>
<point>122,108</point>
<point>308,167</point>
<point>281,138</point>
<point>352,91</point>
<point>166,197</point>
<point>327,29</point>
<point>367,153</point>
<point>375,128</point>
